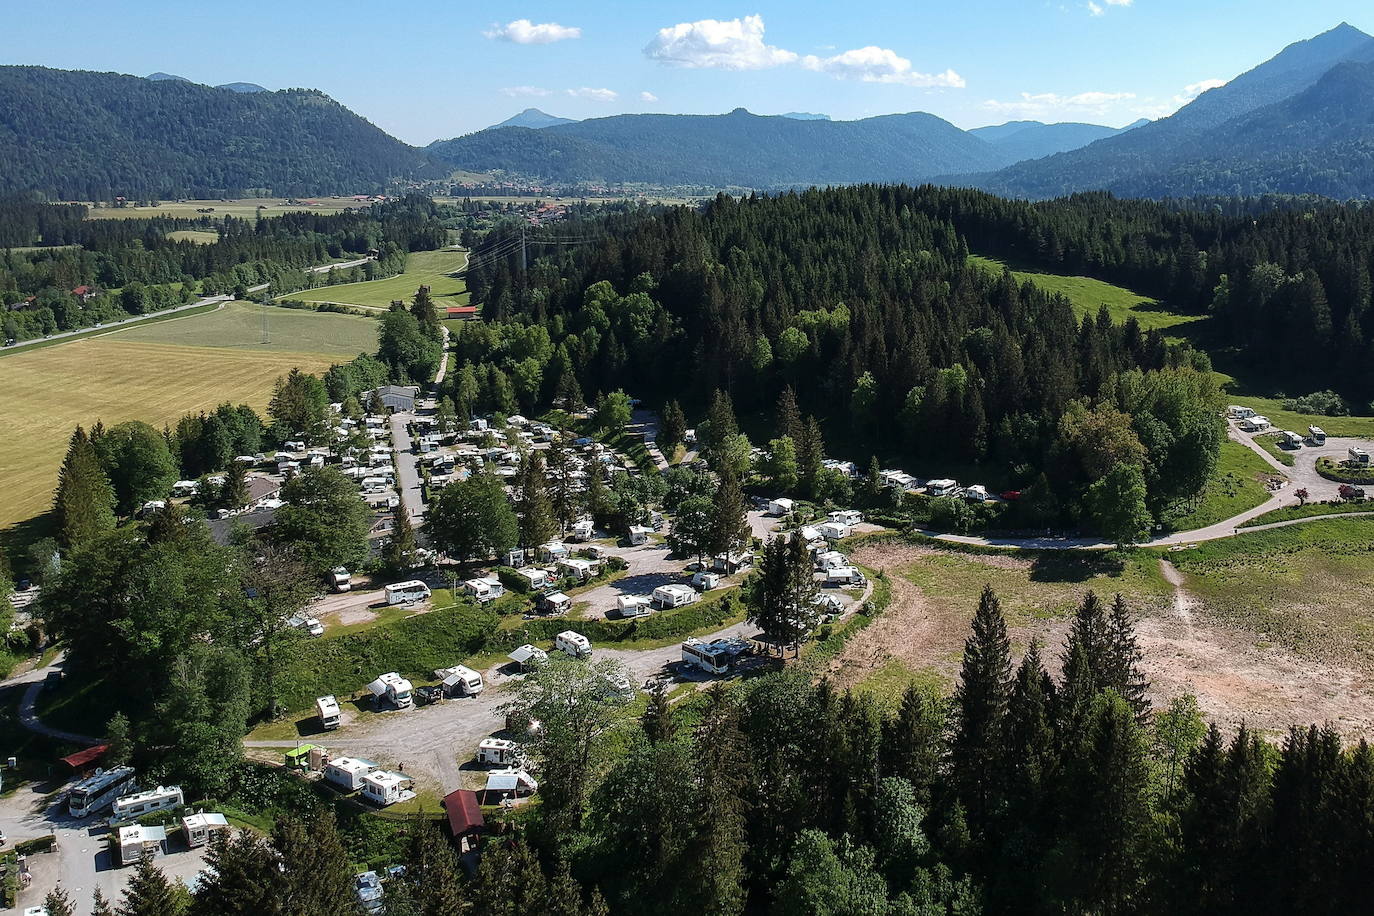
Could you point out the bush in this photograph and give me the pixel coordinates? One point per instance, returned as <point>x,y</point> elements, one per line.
<point>1326,403</point>
<point>37,844</point>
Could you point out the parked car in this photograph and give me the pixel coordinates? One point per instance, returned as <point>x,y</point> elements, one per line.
<point>1349,491</point>
<point>426,695</point>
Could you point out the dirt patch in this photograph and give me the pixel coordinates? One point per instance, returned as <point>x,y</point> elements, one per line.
<point>1237,674</point>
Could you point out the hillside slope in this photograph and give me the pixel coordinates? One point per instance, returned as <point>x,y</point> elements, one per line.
<point>739,149</point>
<point>80,135</point>
<point>1019,140</point>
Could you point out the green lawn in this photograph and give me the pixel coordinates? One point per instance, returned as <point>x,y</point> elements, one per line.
<point>1270,443</point>
<point>203,236</point>
<point>239,326</point>
<point>1088,295</point>
<point>1359,427</point>
<point>1309,510</point>
<point>1236,485</point>
<point>439,270</point>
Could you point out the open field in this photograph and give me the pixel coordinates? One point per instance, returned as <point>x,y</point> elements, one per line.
<point>242,208</point>
<point>239,326</point>
<point>114,379</point>
<point>1270,627</point>
<point>1236,485</point>
<point>202,236</point>
<point>1359,427</point>
<point>434,269</point>
<point>1088,295</point>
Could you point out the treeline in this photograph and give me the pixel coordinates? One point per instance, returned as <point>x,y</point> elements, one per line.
<point>866,307</point>
<point>141,259</point>
<point>1023,792</point>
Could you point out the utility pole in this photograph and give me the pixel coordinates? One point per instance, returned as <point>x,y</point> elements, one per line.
<point>523,261</point>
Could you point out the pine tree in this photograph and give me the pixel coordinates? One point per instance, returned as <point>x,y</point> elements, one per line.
<point>721,425</point>
<point>672,429</point>
<point>718,870</point>
<point>57,903</point>
<point>810,458</point>
<point>424,310</point>
<point>913,740</point>
<point>1123,658</point>
<point>401,548</point>
<point>657,721</point>
<point>1085,665</point>
<point>537,522</point>
<point>1029,748</point>
<point>565,894</point>
<point>118,740</point>
<point>234,493</point>
<point>509,881</point>
<point>99,905</point>
<point>729,519</point>
<point>149,893</point>
<point>85,501</point>
<point>873,484</point>
<point>788,420</point>
<point>563,493</point>
<point>317,874</point>
<point>433,871</point>
<point>242,878</point>
<point>980,705</point>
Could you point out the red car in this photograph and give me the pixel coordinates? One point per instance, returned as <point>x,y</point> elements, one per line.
<point>1011,496</point>
<point>1349,492</point>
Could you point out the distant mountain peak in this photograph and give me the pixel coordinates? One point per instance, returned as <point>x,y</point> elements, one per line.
<point>159,76</point>
<point>805,116</point>
<point>533,118</point>
<point>242,87</point>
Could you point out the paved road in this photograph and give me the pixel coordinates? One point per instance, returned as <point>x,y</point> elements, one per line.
<point>407,466</point>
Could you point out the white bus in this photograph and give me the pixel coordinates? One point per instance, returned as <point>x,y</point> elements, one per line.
<point>98,791</point>
<point>717,657</point>
<point>129,807</point>
<point>407,592</point>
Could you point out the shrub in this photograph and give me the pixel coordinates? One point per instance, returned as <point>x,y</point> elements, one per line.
<point>37,844</point>
<point>1327,403</point>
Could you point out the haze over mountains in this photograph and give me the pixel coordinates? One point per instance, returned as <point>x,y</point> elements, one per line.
<point>1302,122</point>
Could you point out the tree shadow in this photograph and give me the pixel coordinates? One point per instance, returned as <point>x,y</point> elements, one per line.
<point>1076,565</point>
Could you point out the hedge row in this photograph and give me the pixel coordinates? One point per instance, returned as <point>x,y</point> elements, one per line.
<point>712,612</point>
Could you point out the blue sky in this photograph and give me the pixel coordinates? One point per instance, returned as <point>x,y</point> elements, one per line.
<point>428,70</point>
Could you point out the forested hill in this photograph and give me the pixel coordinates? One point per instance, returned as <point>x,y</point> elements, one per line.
<point>1019,140</point>
<point>738,149</point>
<point>1300,123</point>
<point>80,135</point>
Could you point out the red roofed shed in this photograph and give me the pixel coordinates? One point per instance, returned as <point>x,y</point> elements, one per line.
<point>465,818</point>
<point>84,760</point>
<point>462,311</point>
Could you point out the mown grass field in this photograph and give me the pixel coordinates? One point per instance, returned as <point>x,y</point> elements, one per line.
<point>242,208</point>
<point>113,378</point>
<point>1309,510</point>
<point>202,236</point>
<point>1236,485</point>
<point>239,326</point>
<point>1360,427</point>
<point>435,269</point>
<point>1088,295</point>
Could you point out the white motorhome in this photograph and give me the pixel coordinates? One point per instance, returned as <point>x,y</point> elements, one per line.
<point>556,603</point>
<point>781,506</point>
<point>633,605</point>
<point>407,592</point>
<point>499,752</point>
<point>136,841</point>
<point>348,772</point>
<point>552,552</point>
<point>382,787</point>
<point>716,657</point>
<point>134,806</point>
<point>850,517</point>
<point>705,581</point>
<point>200,825</point>
<point>831,559</point>
<point>833,531</point>
<point>577,568</point>
<point>674,595</point>
<point>460,681</point>
<point>942,486</point>
<point>1292,439</point>
<point>1358,455</point>
<point>393,688</point>
<point>639,534</point>
<point>1317,435</point>
<point>340,579</point>
<point>977,493</point>
<point>98,791</point>
<point>573,644</point>
<point>583,530</point>
<point>327,708</point>
<point>536,577</point>
<point>487,588</point>
<point>844,575</point>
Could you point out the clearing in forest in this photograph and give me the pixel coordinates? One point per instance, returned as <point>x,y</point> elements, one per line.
<point>1269,628</point>
<point>239,325</point>
<point>439,270</point>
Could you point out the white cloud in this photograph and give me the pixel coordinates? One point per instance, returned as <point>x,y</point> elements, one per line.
<point>1043,104</point>
<point>1193,90</point>
<point>526,91</point>
<point>1094,9</point>
<point>880,65</point>
<point>593,95</point>
<point>524,32</point>
<point>732,44</point>
<point>1120,2</point>
<point>648,97</point>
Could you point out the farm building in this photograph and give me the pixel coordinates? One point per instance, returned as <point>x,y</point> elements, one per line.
<point>396,398</point>
<point>465,820</point>
<point>463,312</point>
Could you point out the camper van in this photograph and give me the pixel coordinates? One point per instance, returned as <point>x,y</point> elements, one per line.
<point>632,605</point>
<point>573,644</point>
<point>348,772</point>
<point>394,689</point>
<point>460,681</point>
<point>1358,455</point>
<point>556,603</point>
<point>499,752</point>
<point>328,710</point>
<point>941,487</point>
<point>1317,435</point>
<point>780,506</point>
<point>382,787</point>
<point>850,517</point>
<point>340,579</point>
<point>98,791</point>
<point>134,806</point>
<point>488,588</point>
<point>407,592</point>
<point>674,595</point>
<point>716,657</point>
<point>705,581</point>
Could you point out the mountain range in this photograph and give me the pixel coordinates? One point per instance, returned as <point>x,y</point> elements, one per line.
<point>1299,123</point>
